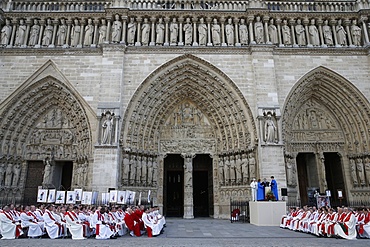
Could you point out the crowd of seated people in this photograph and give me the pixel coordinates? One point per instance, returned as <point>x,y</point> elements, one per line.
<point>79,222</point>
<point>328,222</point>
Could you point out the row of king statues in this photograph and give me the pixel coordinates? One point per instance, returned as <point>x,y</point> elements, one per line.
<point>188,31</point>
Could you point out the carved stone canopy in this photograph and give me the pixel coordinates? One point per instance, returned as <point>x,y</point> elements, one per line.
<point>201,93</point>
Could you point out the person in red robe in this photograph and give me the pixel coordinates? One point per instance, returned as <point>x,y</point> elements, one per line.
<point>131,224</point>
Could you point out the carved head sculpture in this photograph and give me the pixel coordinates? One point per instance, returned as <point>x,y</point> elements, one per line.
<point>117,17</point>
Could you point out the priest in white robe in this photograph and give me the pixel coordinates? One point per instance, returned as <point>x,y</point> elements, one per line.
<point>75,226</point>
<point>53,228</point>
<point>100,224</point>
<point>8,227</point>
<point>347,228</point>
<point>30,221</point>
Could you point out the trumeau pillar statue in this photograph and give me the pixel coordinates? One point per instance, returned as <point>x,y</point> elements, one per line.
<point>320,161</point>
<point>188,186</point>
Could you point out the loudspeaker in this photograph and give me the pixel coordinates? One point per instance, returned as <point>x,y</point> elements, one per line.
<point>284,192</point>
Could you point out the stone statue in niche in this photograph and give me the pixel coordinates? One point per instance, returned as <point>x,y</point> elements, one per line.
<point>367,169</point>
<point>144,170</point>
<point>84,168</point>
<point>352,166</point>
<point>174,31</point>
<point>107,129</point>
<point>138,169</point>
<point>328,35</point>
<point>341,33</point>
<point>232,170</point>
<point>34,33</point>
<point>150,170</point>
<point>245,170</point>
<point>360,171</point>
<point>21,33</point>
<point>229,29</point>
<point>202,31</point>
<point>285,29</point>
<point>2,174</point>
<point>48,33</point>
<point>75,33</point>
<point>62,32</point>
<point>131,31</point>
<point>216,31</point>
<point>102,32</point>
<point>155,170</point>
<point>145,31</point>
<point>47,179</point>
<point>238,169</point>
<point>314,34</point>
<point>243,32</point>
<point>322,169</point>
<point>116,30</point>
<point>188,169</point>
<point>188,29</point>
<point>160,32</point>
<point>9,175</point>
<point>258,31</point>
<point>17,174</point>
<point>356,33</point>
<point>126,167</point>
<point>227,170</point>
<point>273,33</point>
<point>252,165</point>
<point>89,33</point>
<point>300,32</point>
<point>291,172</point>
<point>221,171</point>
<point>270,129</point>
<point>132,169</point>
<point>6,32</point>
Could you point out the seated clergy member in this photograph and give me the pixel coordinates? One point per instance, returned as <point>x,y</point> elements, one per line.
<point>151,223</point>
<point>76,228</point>
<point>363,223</point>
<point>8,227</point>
<point>30,221</point>
<point>100,222</point>
<point>347,228</point>
<point>131,224</point>
<point>52,226</point>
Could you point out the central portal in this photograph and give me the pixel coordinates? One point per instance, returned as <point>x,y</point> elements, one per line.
<point>188,185</point>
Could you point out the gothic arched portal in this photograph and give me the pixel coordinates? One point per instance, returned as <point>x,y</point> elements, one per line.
<point>326,133</point>
<point>44,120</point>
<point>187,106</point>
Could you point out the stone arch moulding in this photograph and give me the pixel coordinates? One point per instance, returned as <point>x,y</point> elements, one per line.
<point>324,112</point>
<point>45,117</point>
<point>188,77</point>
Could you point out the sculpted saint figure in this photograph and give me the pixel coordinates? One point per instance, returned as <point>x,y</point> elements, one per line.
<point>107,129</point>
<point>116,30</point>
<point>352,166</point>
<point>160,32</point>
<point>273,34</point>
<point>102,32</point>
<point>131,31</point>
<point>188,29</point>
<point>258,30</point>
<point>202,30</point>
<point>9,175</point>
<point>367,169</point>
<point>17,174</point>
<point>287,40</point>
<point>150,170</point>
<point>314,34</point>
<point>243,32</point>
<point>2,174</point>
<point>6,32</point>
<point>270,130</point>
<point>252,165</point>
<point>356,33</point>
<point>216,30</point>
<point>21,32</point>
<point>188,168</point>
<point>328,35</point>
<point>174,31</point>
<point>360,171</point>
<point>341,33</point>
<point>132,169</point>
<point>227,170</point>
<point>221,171</point>
<point>145,31</point>
<point>300,32</point>
<point>126,166</point>
<point>47,172</point>
<point>62,33</point>
<point>229,29</point>
<point>34,34</point>
<point>89,33</point>
<point>48,33</point>
<point>144,169</point>
<point>75,33</point>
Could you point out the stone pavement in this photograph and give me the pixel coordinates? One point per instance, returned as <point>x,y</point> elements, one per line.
<point>202,232</point>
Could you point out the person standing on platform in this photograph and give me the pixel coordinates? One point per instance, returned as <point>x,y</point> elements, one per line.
<point>260,191</point>
<point>253,189</point>
<point>274,188</point>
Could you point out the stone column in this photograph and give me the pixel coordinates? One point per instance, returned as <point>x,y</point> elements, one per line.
<point>109,24</point>
<point>55,30</point>
<point>181,41</point>
<point>160,161</point>
<point>14,30</point>
<point>124,29</point>
<point>42,25</point>
<point>223,41</point>
<point>292,22</point>
<point>138,33</point>
<point>278,22</point>
<point>69,23</point>
<point>366,34</point>
<point>82,26</point>
<point>319,23</point>
<point>28,23</point>
<point>266,21</point>
<point>216,186</point>
<point>306,21</point>
<point>251,36</point>
<point>332,23</point>
<point>166,32</point>
<point>152,36</point>
<point>346,23</point>
<point>236,31</point>
<point>320,161</point>
<point>209,41</point>
<point>96,33</point>
<point>195,43</point>
<point>188,186</point>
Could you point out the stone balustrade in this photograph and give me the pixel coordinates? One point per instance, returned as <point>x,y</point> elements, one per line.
<point>313,6</point>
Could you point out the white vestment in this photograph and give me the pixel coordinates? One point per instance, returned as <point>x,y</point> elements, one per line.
<point>75,227</point>
<point>350,224</point>
<point>7,227</point>
<point>254,190</point>
<point>34,229</point>
<point>102,230</point>
<point>150,221</point>
<point>52,228</point>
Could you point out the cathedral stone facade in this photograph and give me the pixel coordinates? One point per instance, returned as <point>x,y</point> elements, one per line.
<point>189,100</point>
